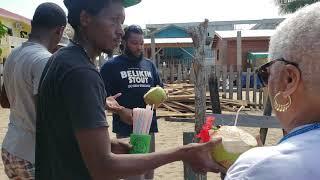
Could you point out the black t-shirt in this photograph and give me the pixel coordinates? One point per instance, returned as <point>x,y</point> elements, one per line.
<point>71,97</point>
<point>133,78</point>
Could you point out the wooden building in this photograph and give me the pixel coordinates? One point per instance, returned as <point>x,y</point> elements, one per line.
<point>172,44</point>
<point>224,46</point>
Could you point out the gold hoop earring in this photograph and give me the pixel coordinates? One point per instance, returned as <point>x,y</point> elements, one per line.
<point>281,107</point>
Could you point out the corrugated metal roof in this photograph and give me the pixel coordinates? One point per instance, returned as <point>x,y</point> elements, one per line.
<point>245,33</point>
<point>169,40</point>
<point>14,16</point>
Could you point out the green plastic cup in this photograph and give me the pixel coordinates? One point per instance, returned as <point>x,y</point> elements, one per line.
<point>140,143</point>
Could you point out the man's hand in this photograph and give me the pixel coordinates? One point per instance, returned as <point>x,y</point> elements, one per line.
<point>120,146</point>
<point>112,104</point>
<point>126,115</point>
<point>198,156</point>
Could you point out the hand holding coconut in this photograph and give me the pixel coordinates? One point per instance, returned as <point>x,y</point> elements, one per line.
<point>199,158</point>
<point>234,141</point>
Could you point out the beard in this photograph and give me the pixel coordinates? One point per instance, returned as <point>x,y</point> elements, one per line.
<point>132,55</point>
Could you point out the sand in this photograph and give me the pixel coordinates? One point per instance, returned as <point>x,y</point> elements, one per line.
<point>169,136</point>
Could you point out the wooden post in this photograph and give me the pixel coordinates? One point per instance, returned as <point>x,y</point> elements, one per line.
<point>189,174</point>
<point>248,84</point>
<point>260,98</point>
<point>239,83</point>
<point>218,74</point>
<point>267,112</point>
<point>185,73</point>
<point>164,74</point>
<point>153,49</point>
<point>157,64</point>
<point>231,78</point>
<point>239,49</point>
<point>191,75</point>
<point>214,94</point>
<point>179,78</point>
<point>199,35</point>
<point>172,72</point>
<point>224,81</point>
<point>255,88</point>
<point>239,64</point>
<point>215,99</point>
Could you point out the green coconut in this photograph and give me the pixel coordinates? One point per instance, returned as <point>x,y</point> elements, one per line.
<point>234,142</point>
<point>155,96</point>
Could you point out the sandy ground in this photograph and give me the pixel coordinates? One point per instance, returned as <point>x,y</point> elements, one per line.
<point>170,135</point>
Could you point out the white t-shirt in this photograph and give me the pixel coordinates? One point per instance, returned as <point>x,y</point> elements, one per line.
<point>296,158</point>
<point>22,72</point>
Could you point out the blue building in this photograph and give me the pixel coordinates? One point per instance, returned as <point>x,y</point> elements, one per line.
<point>173,45</point>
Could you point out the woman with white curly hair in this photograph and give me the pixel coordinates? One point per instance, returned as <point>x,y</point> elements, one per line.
<point>293,80</point>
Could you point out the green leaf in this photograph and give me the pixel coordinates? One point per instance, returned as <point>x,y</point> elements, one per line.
<point>287,6</point>
<point>3,30</point>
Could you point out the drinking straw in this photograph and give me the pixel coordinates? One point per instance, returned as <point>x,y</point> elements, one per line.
<point>236,121</point>
<point>150,118</point>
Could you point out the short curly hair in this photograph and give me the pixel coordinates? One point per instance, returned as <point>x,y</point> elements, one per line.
<point>92,7</point>
<point>132,29</point>
<point>48,15</point>
<point>297,39</point>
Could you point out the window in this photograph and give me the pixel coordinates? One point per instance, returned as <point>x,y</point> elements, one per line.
<point>218,54</point>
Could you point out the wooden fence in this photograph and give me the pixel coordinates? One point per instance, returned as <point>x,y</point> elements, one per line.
<point>233,83</point>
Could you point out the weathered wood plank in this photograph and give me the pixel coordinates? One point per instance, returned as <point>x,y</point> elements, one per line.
<point>199,36</point>
<point>170,108</point>
<point>243,120</point>
<point>248,120</point>
<point>231,79</point>
<point>214,94</point>
<point>218,74</point>
<point>192,75</point>
<point>179,78</point>
<point>239,83</point>
<point>267,112</point>
<point>260,98</point>
<point>248,84</point>
<point>192,109</point>
<point>224,81</point>
<point>255,87</point>
<point>172,72</point>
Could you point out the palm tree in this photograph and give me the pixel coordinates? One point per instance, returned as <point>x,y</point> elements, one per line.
<point>290,6</point>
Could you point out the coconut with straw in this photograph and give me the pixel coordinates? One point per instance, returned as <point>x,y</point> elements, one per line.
<point>235,141</point>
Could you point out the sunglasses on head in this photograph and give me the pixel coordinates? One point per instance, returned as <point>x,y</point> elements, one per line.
<point>263,73</point>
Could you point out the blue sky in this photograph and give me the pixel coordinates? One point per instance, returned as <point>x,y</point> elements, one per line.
<point>169,11</point>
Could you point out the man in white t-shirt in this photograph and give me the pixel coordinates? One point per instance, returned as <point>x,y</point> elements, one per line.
<point>22,73</point>
<point>293,81</point>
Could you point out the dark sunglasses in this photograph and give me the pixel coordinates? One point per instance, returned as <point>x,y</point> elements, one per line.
<point>263,73</point>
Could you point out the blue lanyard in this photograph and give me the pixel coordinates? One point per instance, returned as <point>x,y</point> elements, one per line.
<point>301,131</point>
